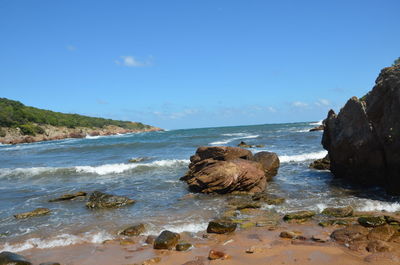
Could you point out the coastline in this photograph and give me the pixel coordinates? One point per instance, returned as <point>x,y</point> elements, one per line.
<point>51,133</point>
<point>265,243</point>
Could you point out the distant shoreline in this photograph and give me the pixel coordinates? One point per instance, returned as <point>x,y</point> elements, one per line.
<point>51,133</point>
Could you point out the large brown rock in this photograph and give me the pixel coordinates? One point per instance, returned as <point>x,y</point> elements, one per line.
<point>363,140</point>
<point>221,169</point>
<point>9,258</point>
<point>269,161</point>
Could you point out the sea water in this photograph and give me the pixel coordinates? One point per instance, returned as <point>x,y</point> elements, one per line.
<point>32,174</point>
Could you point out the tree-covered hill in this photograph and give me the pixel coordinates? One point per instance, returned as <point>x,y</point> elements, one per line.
<point>15,114</point>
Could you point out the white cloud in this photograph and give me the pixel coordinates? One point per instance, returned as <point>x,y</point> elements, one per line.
<point>322,102</point>
<point>131,61</point>
<point>271,109</point>
<point>299,104</point>
<point>175,115</point>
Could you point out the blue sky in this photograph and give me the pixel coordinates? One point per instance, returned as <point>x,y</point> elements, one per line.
<point>188,64</point>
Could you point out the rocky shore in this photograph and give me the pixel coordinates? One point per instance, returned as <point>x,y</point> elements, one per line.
<point>15,136</point>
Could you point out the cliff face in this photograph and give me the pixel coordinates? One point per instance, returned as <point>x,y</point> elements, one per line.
<point>363,140</point>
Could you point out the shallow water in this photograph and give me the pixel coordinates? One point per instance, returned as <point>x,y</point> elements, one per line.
<point>31,174</point>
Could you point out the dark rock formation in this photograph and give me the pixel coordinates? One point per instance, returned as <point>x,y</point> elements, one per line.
<point>321,164</point>
<point>269,161</point>
<point>221,169</point>
<point>101,200</point>
<point>363,140</point>
<point>9,258</point>
<point>371,221</point>
<point>166,240</point>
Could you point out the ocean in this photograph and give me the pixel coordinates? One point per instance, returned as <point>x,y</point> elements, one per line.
<point>32,174</point>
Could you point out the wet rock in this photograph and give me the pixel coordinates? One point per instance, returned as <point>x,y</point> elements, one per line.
<point>383,233</point>
<point>67,197</point>
<point>183,246</point>
<point>378,246</point>
<point>269,161</point>
<point>36,212</point>
<point>290,234</point>
<point>150,239</point>
<point>221,227</point>
<point>350,233</point>
<point>268,199</point>
<point>321,164</point>
<point>216,254</point>
<point>338,212</point>
<point>221,153</point>
<point>371,221</point>
<point>245,145</point>
<point>317,128</point>
<point>166,240</point>
<point>243,203</point>
<point>362,140</point>
<point>9,258</point>
<point>134,230</point>
<point>298,215</point>
<point>100,200</point>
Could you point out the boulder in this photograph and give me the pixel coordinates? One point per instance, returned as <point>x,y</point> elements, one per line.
<point>36,212</point>
<point>67,197</point>
<point>269,161</point>
<point>321,164</point>
<point>99,200</point>
<point>9,258</point>
<point>166,240</point>
<point>221,169</point>
<point>338,212</point>
<point>221,227</point>
<point>134,230</point>
<point>363,140</point>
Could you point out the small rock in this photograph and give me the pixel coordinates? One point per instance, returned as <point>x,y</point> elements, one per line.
<point>338,212</point>
<point>221,227</point>
<point>166,240</point>
<point>245,145</point>
<point>9,258</point>
<point>150,239</point>
<point>36,212</point>
<point>99,200</point>
<point>67,197</point>
<point>333,222</point>
<point>183,246</point>
<point>378,246</point>
<point>350,233</point>
<point>322,238</point>
<point>126,242</point>
<point>290,234</point>
<point>215,254</point>
<point>134,230</point>
<point>299,215</point>
<point>371,221</point>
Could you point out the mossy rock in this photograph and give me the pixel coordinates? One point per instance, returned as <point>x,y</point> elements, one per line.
<point>166,240</point>
<point>371,221</point>
<point>221,227</point>
<point>247,225</point>
<point>134,230</point>
<point>300,215</point>
<point>338,212</point>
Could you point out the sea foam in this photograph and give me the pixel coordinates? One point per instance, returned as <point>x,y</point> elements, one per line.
<point>302,157</point>
<point>240,136</point>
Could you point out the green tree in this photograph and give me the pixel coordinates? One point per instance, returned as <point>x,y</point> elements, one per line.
<point>396,62</point>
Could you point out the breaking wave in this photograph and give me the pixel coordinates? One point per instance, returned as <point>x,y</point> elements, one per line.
<point>302,157</point>
<point>238,137</point>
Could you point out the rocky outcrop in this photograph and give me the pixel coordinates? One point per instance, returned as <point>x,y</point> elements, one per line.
<point>363,139</point>
<point>221,169</point>
<point>321,164</point>
<point>317,128</point>
<point>36,212</point>
<point>100,200</point>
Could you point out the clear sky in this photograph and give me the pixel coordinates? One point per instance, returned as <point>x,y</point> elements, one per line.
<point>188,64</point>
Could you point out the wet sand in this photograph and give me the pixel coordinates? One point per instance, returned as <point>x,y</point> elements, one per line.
<point>267,246</point>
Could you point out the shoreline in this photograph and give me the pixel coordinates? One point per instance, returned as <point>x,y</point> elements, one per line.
<point>265,243</point>
<point>51,133</point>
